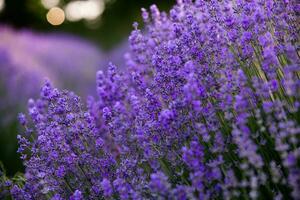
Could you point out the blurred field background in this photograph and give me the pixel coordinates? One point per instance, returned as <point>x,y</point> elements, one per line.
<point>64,40</point>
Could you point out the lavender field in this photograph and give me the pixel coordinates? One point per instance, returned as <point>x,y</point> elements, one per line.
<point>204,104</point>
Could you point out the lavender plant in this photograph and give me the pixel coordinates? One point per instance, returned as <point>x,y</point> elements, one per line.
<point>208,109</point>
<point>6,182</point>
<point>26,59</point>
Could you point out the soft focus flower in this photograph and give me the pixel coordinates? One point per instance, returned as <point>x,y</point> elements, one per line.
<point>27,58</point>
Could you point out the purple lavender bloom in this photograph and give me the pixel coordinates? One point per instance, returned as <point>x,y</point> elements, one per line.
<point>107,188</point>
<point>159,183</point>
<point>77,196</point>
<point>207,109</point>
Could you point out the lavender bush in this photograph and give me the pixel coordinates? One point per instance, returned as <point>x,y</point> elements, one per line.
<point>26,59</point>
<point>208,109</point>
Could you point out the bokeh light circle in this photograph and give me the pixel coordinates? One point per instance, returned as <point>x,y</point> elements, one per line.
<point>55,16</point>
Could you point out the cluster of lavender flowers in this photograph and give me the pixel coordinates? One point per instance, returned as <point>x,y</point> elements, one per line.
<point>26,59</point>
<point>208,109</point>
<point>6,182</point>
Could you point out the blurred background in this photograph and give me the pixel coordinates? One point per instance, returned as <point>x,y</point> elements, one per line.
<point>66,41</point>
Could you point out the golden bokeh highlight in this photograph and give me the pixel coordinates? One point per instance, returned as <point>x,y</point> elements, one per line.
<point>48,4</point>
<point>55,16</point>
<point>2,5</point>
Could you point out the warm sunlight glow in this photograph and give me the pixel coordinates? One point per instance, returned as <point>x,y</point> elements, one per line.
<point>2,4</point>
<point>89,10</point>
<point>49,3</point>
<point>55,16</point>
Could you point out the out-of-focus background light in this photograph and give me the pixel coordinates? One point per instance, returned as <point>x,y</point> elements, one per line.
<point>55,16</point>
<point>89,10</point>
<point>2,4</point>
<point>107,23</point>
<point>48,4</point>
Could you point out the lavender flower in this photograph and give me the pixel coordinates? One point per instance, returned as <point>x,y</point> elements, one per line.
<point>208,109</point>
<point>107,188</point>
